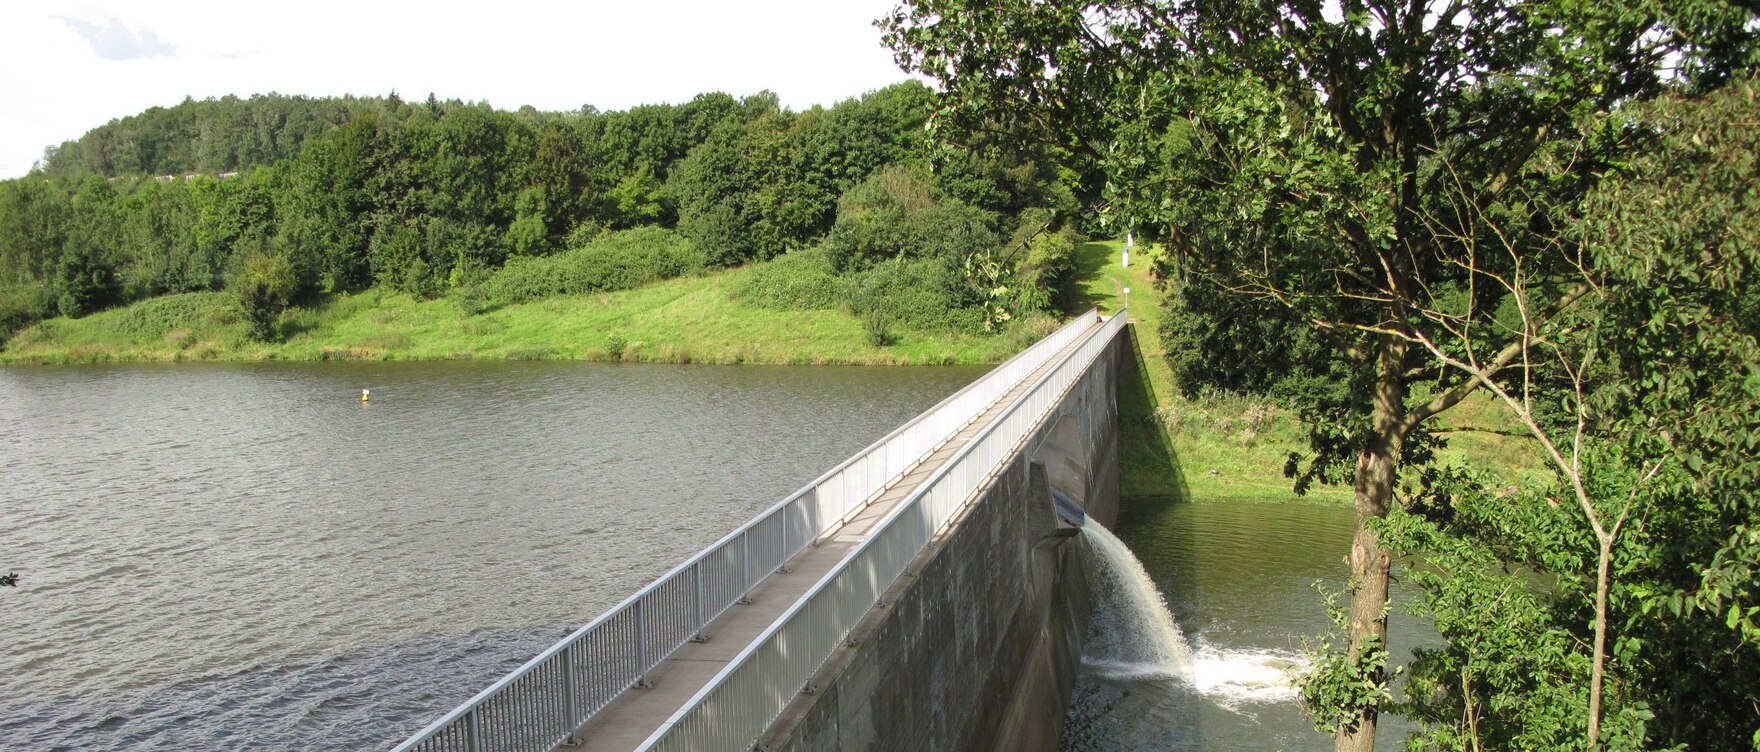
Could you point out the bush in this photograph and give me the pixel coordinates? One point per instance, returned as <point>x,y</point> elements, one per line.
<point>471,299</point>
<point>878,329</point>
<point>892,215</point>
<point>928,294</point>
<point>1047,275</point>
<point>86,281</point>
<point>616,261</point>
<point>23,305</point>
<point>723,236</point>
<point>263,286</point>
<point>469,281</point>
<point>615,346</point>
<point>797,281</point>
<point>396,255</point>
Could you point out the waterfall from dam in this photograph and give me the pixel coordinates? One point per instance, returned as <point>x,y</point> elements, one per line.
<point>1138,639</point>
<point>1147,643</point>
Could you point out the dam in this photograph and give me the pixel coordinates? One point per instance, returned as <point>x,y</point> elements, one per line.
<point>920,594</point>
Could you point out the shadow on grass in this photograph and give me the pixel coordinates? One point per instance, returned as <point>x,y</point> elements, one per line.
<point>1148,457</point>
<point>1090,259</point>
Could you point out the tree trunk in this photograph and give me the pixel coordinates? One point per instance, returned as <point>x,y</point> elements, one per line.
<point>1377,470</point>
<point>1597,672</point>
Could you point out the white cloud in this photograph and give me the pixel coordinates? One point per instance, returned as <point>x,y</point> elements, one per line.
<point>611,55</point>
<point>112,39</point>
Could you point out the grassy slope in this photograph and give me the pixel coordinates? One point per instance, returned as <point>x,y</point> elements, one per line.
<point>681,320</point>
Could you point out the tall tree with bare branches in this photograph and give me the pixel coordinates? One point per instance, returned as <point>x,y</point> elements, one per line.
<point>1303,160</point>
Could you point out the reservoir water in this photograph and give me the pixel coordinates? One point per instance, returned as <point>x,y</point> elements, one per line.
<point>217,557</point>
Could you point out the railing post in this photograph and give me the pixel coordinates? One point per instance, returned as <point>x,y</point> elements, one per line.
<point>641,640</point>
<point>570,689</point>
<point>474,737</point>
<point>697,589</point>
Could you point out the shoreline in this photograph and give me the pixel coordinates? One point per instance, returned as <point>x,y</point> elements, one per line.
<point>666,356</point>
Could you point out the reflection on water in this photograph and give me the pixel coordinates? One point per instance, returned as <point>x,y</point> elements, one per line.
<point>246,556</point>
<point>1238,579</point>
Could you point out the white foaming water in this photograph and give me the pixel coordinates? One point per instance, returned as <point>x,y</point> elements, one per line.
<point>1240,676</point>
<point>1142,642</point>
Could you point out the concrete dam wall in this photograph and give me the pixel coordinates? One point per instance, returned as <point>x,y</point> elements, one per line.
<point>976,647</point>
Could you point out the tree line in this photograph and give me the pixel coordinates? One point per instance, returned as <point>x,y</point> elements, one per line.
<point>292,198</point>
<point>1377,210</point>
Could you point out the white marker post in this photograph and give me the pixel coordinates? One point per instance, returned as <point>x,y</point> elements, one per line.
<point>1128,240</point>
<point>1127,298</point>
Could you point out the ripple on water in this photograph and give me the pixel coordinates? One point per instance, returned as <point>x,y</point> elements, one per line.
<point>226,557</point>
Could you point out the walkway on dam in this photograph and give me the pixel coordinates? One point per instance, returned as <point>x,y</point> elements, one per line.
<point>637,713</point>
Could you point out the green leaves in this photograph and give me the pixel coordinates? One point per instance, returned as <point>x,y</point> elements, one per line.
<point>1341,683</point>
<point>1372,209</point>
<point>263,285</point>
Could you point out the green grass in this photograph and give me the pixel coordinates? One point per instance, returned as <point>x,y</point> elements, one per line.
<point>1480,432</point>
<point>691,319</point>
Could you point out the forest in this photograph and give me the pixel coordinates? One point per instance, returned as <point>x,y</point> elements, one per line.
<point>276,199</point>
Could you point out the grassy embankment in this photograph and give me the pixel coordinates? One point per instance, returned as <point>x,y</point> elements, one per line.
<point>689,319</point>
<point>1233,447</point>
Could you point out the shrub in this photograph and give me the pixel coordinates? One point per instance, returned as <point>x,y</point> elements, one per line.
<point>396,255</point>
<point>928,294</point>
<point>584,232</point>
<point>86,281</point>
<point>471,299</point>
<point>470,287</point>
<point>616,261</point>
<point>877,329</point>
<point>720,232</point>
<point>263,286</point>
<point>615,345</point>
<point>801,280</point>
<point>892,215</point>
<point>1047,274</point>
<point>23,305</point>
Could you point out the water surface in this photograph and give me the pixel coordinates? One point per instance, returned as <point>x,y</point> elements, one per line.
<point>246,556</point>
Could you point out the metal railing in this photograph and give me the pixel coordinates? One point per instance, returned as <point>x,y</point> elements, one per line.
<point>542,703</point>
<point>752,690</point>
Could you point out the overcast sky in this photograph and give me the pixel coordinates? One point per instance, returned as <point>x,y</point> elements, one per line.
<point>66,68</point>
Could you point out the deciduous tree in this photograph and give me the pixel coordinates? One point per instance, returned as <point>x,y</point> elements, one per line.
<point>1301,161</point>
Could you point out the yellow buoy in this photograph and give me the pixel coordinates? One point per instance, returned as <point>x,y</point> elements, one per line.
<point>365,395</point>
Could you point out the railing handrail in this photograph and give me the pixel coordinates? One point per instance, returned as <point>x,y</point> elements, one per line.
<point>1069,330</point>
<point>1107,330</point>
